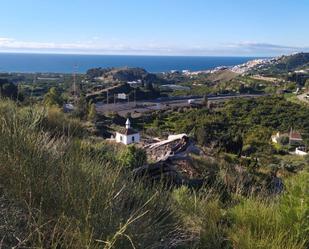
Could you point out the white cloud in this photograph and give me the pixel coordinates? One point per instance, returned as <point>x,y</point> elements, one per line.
<point>98,46</point>
<point>257,48</point>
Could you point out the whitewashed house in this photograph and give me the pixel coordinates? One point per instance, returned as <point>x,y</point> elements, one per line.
<point>127,135</point>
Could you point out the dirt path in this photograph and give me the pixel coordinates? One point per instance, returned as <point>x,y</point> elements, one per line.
<point>302,97</point>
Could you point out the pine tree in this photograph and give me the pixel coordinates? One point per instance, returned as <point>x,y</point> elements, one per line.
<point>53,98</point>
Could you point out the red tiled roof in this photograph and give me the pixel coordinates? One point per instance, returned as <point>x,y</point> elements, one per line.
<point>295,135</point>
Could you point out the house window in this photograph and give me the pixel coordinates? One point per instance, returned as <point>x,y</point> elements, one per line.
<point>121,138</point>
<point>133,139</point>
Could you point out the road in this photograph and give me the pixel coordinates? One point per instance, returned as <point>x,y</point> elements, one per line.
<point>140,107</point>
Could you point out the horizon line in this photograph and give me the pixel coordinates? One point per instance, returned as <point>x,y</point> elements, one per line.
<point>137,55</point>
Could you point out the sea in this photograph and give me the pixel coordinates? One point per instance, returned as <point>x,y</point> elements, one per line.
<point>68,63</point>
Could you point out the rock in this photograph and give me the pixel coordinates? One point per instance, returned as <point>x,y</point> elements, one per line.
<point>172,162</point>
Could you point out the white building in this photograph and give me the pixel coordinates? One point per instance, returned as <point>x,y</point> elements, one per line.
<point>135,83</point>
<point>301,151</point>
<point>127,135</point>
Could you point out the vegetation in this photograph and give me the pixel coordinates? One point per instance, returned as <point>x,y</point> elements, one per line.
<point>77,195</point>
<point>53,98</point>
<point>8,89</point>
<point>240,125</point>
<point>78,192</point>
<point>72,189</point>
<point>123,75</point>
<point>279,224</point>
<point>292,62</point>
<point>285,64</point>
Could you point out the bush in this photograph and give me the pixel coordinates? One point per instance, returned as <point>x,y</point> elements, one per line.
<point>8,89</point>
<point>58,123</point>
<point>133,157</point>
<point>281,224</point>
<point>202,217</point>
<point>283,140</point>
<point>53,98</point>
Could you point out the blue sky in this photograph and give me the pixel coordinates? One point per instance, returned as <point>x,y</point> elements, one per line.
<point>155,27</point>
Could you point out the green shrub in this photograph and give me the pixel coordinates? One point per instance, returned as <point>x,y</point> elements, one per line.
<point>58,123</point>
<point>202,217</point>
<point>133,157</point>
<point>281,224</point>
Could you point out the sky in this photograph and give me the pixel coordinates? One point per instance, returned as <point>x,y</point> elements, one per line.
<point>155,27</point>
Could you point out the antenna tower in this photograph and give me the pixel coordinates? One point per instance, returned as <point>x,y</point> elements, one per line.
<point>74,82</point>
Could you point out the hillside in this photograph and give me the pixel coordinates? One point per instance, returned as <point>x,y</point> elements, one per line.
<point>222,75</point>
<point>132,93</point>
<point>62,187</point>
<point>293,62</point>
<point>285,64</point>
<point>123,75</point>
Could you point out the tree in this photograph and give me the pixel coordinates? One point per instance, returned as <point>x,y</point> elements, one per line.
<point>283,140</point>
<point>232,143</point>
<point>307,84</point>
<point>92,113</point>
<point>257,140</point>
<point>8,89</point>
<point>205,100</point>
<point>242,88</point>
<point>81,109</point>
<point>53,98</point>
<point>201,136</point>
<point>149,87</point>
<point>133,157</point>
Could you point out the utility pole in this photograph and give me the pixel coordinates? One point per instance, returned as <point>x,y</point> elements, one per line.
<point>291,132</point>
<point>107,97</point>
<point>32,88</point>
<point>74,83</point>
<point>33,83</point>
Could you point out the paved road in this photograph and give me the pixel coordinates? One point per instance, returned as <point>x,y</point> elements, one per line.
<point>163,103</point>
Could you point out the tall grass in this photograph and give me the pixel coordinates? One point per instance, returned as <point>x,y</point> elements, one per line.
<point>77,198</point>
<point>202,215</point>
<point>279,224</point>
